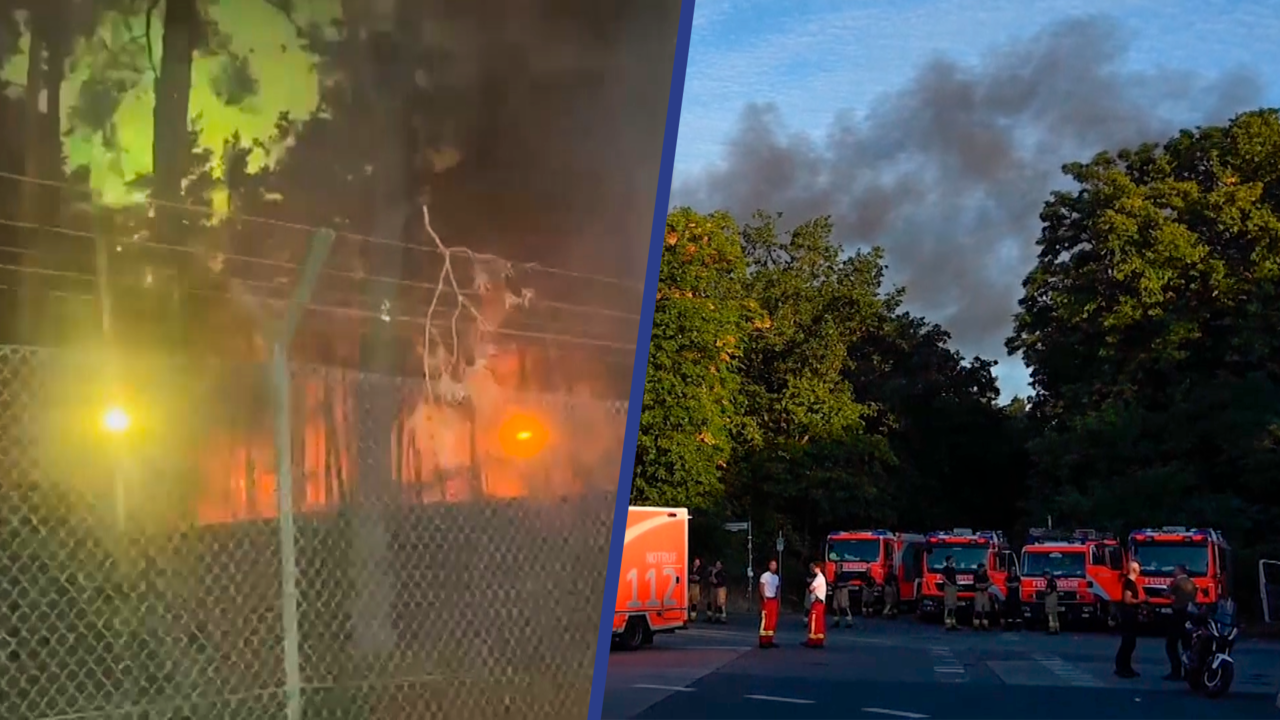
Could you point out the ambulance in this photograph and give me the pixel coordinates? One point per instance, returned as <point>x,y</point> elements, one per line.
<point>1203,551</point>
<point>968,548</point>
<point>854,555</point>
<point>1088,567</point>
<point>652,593</point>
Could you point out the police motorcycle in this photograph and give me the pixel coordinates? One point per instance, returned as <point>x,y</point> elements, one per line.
<point>1208,666</point>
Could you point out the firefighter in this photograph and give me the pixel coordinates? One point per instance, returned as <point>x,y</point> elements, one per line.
<point>1013,602</point>
<point>769,585</point>
<point>840,598</point>
<point>1051,601</point>
<point>981,598</point>
<point>720,594</point>
<point>695,589</point>
<point>950,593</point>
<point>891,594</point>
<point>818,610</point>
<point>868,596</point>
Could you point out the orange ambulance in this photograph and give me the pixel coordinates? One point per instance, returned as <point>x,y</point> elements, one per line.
<point>652,592</point>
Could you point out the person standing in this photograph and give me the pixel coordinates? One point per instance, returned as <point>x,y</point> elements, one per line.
<point>817,611</point>
<point>981,597</point>
<point>695,589</point>
<point>720,594</point>
<point>950,593</point>
<point>1013,601</point>
<point>840,602</point>
<point>891,594</point>
<point>769,586</point>
<point>868,596</point>
<point>808,596</point>
<point>1176,640</point>
<point>1051,601</point>
<point>1131,599</point>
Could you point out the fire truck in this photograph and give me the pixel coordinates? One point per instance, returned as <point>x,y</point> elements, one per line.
<point>1204,552</point>
<point>854,555</point>
<point>1089,569</point>
<point>968,548</point>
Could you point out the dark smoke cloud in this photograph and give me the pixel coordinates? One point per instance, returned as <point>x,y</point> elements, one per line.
<point>560,110</point>
<point>949,173</point>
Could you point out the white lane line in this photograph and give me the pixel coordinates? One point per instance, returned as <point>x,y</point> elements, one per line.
<point>895,713</point>
<point>1068,672</point>
<point>770,698</point>
<point>665,688</point>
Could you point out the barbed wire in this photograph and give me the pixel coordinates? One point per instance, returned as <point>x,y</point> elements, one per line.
<point>283,265</point>
<point>351,312</point>
<point>340,233</point>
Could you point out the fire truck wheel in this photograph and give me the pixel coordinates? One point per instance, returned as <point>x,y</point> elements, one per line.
<point>632,636</point>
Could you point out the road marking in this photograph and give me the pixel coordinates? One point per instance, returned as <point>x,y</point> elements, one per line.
<point>770,698</point>
<point>734,648</point>
<point>895,713</point>
<point>1065,670</point>
<point>666,688</point>
<point>946,665</point>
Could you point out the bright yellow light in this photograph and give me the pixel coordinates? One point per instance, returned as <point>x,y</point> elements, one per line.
<point>524,435</point>
<point>115,420</point>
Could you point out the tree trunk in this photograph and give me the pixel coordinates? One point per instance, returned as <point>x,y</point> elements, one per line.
<point>42,134</point>
<point>171,144</point>
<point>31,192</point>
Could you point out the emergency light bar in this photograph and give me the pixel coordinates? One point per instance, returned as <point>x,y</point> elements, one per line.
<point>873,533</point>
<point>1177,532</point>
<point>966,536</point>
<point>1037,536</point>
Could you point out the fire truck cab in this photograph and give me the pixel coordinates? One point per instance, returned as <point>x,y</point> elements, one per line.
<point>854,555</point>
<point>968,548</point>
<point>1203,551</point>
<point>1089,569</point>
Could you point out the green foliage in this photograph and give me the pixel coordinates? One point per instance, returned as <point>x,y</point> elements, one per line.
<point>1150,326</point>
<point>845,409</point>
<point>701,318</point>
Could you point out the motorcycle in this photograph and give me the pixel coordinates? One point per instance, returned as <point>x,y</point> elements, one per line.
<point>1208,666</point>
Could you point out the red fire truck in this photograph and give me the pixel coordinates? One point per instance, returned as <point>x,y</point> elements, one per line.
<point>968,548</point>
<point>1089,569</point>
<point>1203,551</point>
<point>854,555</point>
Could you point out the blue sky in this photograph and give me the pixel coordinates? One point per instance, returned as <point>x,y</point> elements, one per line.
<point>817,58</point>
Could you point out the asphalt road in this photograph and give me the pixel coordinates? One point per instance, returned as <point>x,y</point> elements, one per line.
<point>905,669</point>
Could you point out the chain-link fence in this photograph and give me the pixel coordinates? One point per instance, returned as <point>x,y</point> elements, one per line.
<point>438,573</point>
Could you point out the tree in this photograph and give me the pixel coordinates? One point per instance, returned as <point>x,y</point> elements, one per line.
<point>692,410</point>
<point>1149,326</point>
<point>814,460</point>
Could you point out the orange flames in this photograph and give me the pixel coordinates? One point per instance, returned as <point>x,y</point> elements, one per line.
<point>520,446</point>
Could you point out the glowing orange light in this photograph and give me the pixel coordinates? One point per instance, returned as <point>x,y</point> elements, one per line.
<point>522,436</point>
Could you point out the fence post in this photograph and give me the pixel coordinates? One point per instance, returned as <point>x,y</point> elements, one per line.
<point>281,384</point>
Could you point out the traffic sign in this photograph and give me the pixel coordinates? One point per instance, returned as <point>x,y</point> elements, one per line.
<point>781,544</point>
<point>736,526</point>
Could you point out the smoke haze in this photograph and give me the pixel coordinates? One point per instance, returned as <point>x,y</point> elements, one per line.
<point>561,112</point>
<point>949,173</point>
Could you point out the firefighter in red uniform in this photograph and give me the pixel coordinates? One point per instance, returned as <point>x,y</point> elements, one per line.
<point>817,611</point>
<point>769,585</point>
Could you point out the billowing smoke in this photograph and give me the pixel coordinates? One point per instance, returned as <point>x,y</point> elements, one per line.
<point>949,173</point>
<point>562,111</point>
